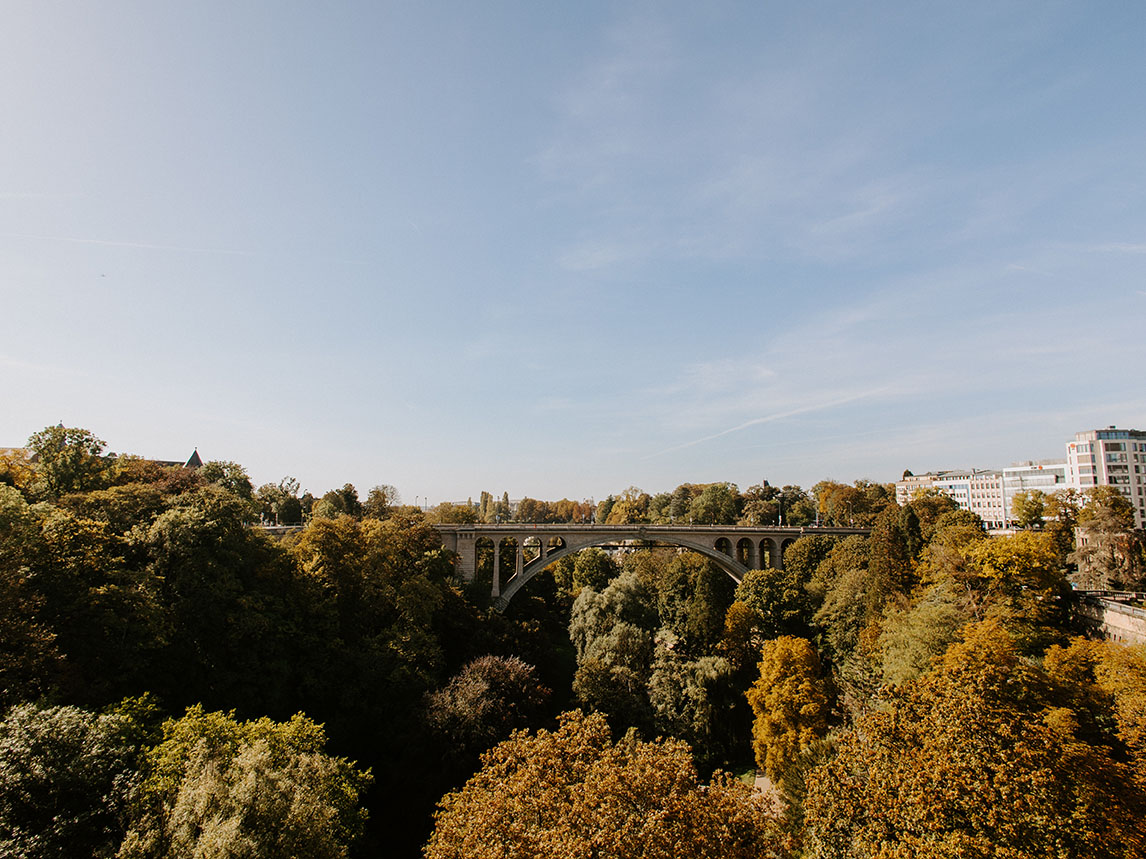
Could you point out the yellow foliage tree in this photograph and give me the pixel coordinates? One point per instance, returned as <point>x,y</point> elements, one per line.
<point>789,701</point>
<point>973,760</point>
<point>573,793</point>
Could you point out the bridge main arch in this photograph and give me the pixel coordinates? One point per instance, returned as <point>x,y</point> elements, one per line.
<point>531,569</point>
<point>745,549</point>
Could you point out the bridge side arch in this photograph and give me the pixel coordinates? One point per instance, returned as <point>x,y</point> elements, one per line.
<point>727,563</point>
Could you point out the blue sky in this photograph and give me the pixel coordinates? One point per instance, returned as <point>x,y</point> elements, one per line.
<point>558,250</point>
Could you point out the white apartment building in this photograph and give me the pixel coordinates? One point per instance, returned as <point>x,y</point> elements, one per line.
<point>1110,457</point>
<point>977,490</point>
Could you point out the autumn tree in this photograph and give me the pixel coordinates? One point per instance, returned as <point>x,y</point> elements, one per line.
<point>1019,581</point>
<point>632,506</point>
<point>574,792</point>
<point>452,514</point>
<point>1105,686</point>
<point>790,703</point>
<point>969,760</point>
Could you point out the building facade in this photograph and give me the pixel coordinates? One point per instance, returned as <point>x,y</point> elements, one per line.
<point>1111,457</point>
<point>1106,457</point>
<point>977,490</point>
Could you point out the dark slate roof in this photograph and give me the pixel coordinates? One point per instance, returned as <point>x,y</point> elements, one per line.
<point>194,461</point>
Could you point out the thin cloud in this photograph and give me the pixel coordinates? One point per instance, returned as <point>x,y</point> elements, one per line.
<point>1119,248</point>
<point>137,245</point>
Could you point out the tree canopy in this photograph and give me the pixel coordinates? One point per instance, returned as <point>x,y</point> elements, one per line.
<point>573,792</point>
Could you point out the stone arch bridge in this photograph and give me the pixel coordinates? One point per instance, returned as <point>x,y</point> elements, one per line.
<point>736,550</point>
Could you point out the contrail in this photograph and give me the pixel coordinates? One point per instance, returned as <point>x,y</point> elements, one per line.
<point>769,419</point>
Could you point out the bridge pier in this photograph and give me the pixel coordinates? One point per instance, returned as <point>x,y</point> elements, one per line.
<point>465,544</point>
<point>496,592</point>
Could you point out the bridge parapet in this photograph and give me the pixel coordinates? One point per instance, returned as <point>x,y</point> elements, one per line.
<point>737,550</point>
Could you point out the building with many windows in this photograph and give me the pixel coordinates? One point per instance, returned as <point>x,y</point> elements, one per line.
<point>1106,457</point>
<point>1110,457</point>
<point>977,490</point>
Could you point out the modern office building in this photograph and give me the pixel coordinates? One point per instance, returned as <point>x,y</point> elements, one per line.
<point>1045,475</point>
<point>1110,457</point>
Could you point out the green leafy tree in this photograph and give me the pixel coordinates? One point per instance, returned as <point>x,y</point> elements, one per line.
<point>67,459</point>
<point>106,614</point>
<point>233,604</point>
<point>717,504</point>
<point>929,505</point>
<point>612,633</point>
<point>1109,551</point>
<point>593,568</point>
<point>29,660</point>
<point>695,700</point>
<point>230,476</point>
<point>778,599</point>
<point>216,786</point>
<point>480,706</point>
<point>841,586</point>
<point>1061,511</point>
<point>604,509</point>
<point>760,506</point>
<point>890,567</point>
<point>1028,509</point>
<point>912,637</point>
<point>338,502</point>
<point>573,792</point>
<point>681,501</point>
<point>67,778</point>
<point>380,500</point>
<point>797,507</point>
